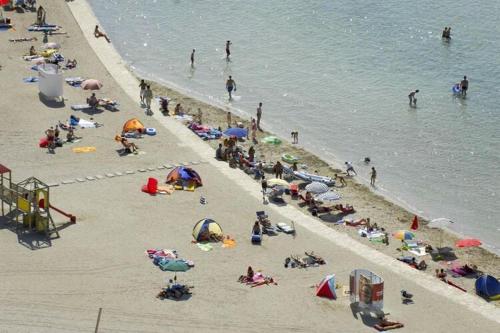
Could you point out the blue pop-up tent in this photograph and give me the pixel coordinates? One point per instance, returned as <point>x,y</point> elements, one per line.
<point>488,287</point>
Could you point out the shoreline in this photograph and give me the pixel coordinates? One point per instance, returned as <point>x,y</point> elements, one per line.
<point>334,164</point>
<point>377,207</point>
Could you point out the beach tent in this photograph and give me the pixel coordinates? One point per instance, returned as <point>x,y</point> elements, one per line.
<point>204,228</point>
<point>488,286</point>
<point>133,125</point>
<point>185,174</point>
<point>326,287</point>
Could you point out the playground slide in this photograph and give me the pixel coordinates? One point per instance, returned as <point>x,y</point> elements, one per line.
<point>71,217</point>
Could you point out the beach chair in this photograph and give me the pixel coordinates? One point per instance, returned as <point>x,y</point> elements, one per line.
<point>151,187</point>
<point>256,238</point>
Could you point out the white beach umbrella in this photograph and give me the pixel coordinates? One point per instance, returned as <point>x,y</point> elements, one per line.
<point>51,45</point>
<point>317,188</point>
<point>328,196</point>
<point>440,223</point>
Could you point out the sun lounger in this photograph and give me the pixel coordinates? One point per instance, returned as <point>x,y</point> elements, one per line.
<point>285,228</point>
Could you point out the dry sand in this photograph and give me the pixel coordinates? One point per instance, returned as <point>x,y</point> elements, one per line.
<point>99,261</point>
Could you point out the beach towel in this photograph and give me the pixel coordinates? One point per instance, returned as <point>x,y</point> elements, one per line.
<point>228,243</point>
<point>84,149</point>
<point>205,246</point>
<point>30,79</point>
<point>79,107</point>
<point>74,81</point>
<point>166,189</point>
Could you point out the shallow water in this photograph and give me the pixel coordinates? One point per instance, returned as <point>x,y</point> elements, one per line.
<point>339,73</point>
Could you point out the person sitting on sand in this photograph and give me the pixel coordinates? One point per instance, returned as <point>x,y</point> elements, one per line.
<point>341,180</point>
<point>129,146</point>
<point>32,51</point>
<point>178,111</point>
<point>422,266</point>
<point>218,152</point>
<point>248,277</point>
<point>70,64</point>
<point>441,274</point>
<point>256,228</point>
<point>92,101</point>
<point>98,33</point>
<point>70,136</point>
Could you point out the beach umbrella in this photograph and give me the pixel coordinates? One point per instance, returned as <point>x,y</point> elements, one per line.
<point>403,235</point>
<point>328,196</point>
<point>276,181</point>
<point>236,131</point>
<point>175,266</point>
<point>440,223</point>
<point>91,84</point>
<point>317,188</point>
<point>51,45</point>
<point>468,242</point>
<point>271,140</point>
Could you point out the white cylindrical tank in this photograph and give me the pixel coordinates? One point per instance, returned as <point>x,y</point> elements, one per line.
<point>50,81</point>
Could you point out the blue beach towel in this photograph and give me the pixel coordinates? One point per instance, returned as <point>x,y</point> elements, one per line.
<point>30,79</point>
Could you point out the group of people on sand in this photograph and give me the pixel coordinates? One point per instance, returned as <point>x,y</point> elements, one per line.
<point>53,134</point>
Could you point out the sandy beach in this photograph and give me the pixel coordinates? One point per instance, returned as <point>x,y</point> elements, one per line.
<point>99,262</point>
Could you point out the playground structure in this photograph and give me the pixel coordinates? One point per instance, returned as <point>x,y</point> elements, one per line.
<point>28,204</point>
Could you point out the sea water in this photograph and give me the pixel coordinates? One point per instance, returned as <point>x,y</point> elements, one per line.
<point>339,72</point>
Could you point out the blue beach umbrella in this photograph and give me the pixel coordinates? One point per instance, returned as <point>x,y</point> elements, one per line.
<point>236,131</point>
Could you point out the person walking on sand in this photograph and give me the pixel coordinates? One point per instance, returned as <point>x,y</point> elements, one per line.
<point>229,120</point>
<point>98,33</point>
<point>230,85</point>
<point>350,168</point>
<point>373,176</point>
<point>148,96</point>
<point>192,58</point>
<point>228,52</point>
<point>412,98</point>
<point>143,86</point>
<point>341,180</point>
<point>464,85</point>
<point>259,115</point>
<point>264,187</point>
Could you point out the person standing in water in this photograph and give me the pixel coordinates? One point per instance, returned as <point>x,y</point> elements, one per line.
<point>259,115</point>
<point>464,85</point>
<point>228,52</point>
<point>373,176</point>
<point>143,86</point>
<point>192,58</point>
<point>230,85</point>
<point>412,98</point>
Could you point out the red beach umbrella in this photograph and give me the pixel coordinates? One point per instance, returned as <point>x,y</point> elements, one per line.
<point>469,242</point>
<point>91,84</point>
